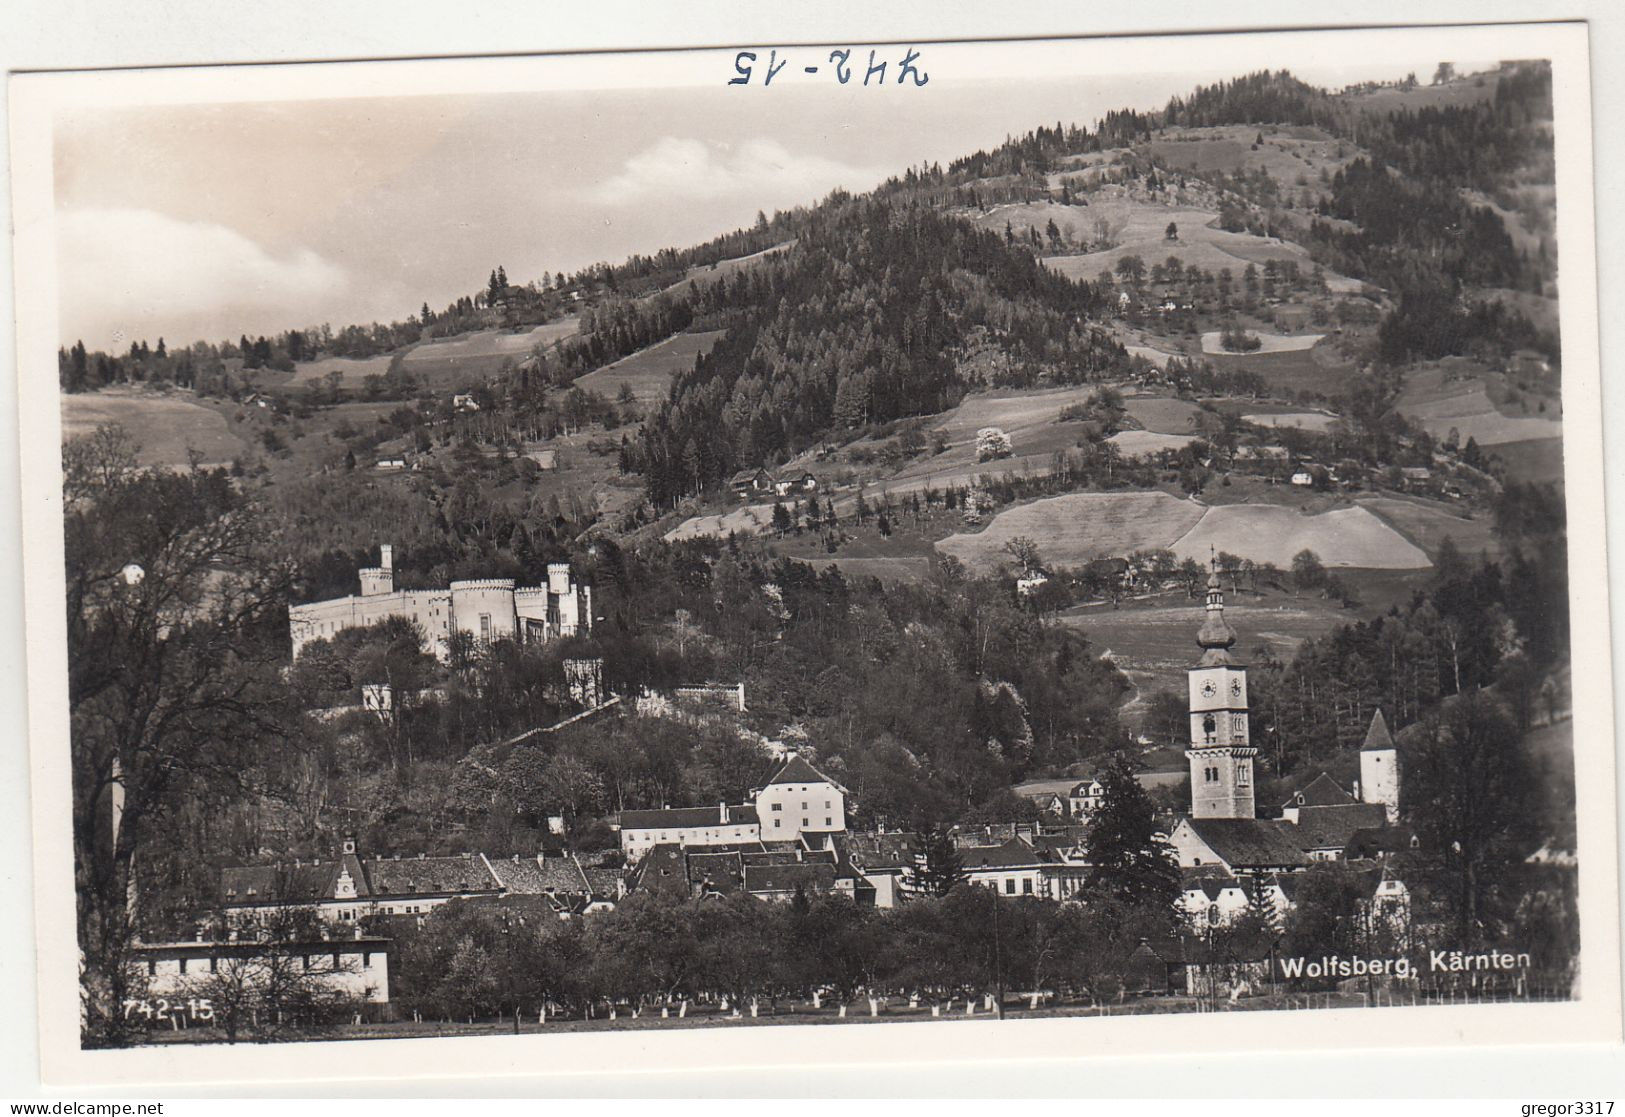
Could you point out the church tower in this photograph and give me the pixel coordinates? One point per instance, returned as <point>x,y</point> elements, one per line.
<point>1221,752</point>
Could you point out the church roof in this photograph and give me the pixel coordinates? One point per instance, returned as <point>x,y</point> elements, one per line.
<point>1250,843</point>
<point>1322,791</point>
<point>1331,827</point>
<point>1215,637</point>
<point>1377,737</point>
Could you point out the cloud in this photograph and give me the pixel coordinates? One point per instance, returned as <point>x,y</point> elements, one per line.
<point>692,170</point>
<point>126,274</point>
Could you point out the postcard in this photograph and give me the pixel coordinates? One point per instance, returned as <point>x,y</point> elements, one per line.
<point>805,553</point>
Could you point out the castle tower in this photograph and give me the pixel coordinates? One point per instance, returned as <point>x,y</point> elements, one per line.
<point>1221,752</point>
<point>379,579</point>
<point>1379,768</point>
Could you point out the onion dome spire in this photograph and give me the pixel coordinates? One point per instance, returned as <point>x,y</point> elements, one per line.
<point>1215,637</point>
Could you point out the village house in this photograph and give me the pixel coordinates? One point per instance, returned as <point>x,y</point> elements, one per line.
<point>355,966</point>
<point>795,481</point>
<point>798,802</point>
<point>748,482</point>
<point>349,888</point>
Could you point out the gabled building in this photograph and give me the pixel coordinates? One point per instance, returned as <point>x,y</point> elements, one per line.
<point>1323,833</point>
<point>1238,845</point>
<point>346,888</point>
<point>1321,791</point>
<point>799,804</point>
<point>747,482</point>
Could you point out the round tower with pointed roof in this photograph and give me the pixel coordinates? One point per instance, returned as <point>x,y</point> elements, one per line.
<point>1221,752</point>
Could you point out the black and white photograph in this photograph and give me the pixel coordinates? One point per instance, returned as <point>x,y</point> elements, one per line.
<point>883,540</point>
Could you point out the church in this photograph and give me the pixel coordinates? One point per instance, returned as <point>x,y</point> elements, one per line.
<point>1223,830</point>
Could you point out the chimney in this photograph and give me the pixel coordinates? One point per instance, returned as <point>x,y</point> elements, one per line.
<point>722,813</point>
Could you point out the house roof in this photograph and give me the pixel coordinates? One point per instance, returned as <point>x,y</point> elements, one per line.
<point>1321,791</point>
<point>300,883</point>
<point>1374,841</point>
<point>1331,827</point>
<point>797,770</point>
<point>808,876</point>
<point>878,852</point>
<point>718,872</point>
<point>412,876</point>
<point>1377,736</point>
<point>687,818</point>
<point>1011,854</point>
<point>1249,843</point>
<point>532,875</point>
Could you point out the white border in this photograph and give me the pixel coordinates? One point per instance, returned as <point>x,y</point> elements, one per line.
<point>1595,1017</point>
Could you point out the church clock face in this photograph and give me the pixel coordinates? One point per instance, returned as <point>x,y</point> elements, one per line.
<point>1208,689</point>
<point>1235,688</point>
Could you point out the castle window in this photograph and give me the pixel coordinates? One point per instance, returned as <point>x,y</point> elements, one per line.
<point>485,626</point>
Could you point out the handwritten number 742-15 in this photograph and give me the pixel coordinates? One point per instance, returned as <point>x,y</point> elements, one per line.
<point>840,63</point>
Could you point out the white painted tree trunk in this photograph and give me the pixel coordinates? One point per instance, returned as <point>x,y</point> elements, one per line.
<point>843,1012</point>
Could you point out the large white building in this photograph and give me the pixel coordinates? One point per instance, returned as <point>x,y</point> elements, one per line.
<point>799,804</point>
<point>483,610</point>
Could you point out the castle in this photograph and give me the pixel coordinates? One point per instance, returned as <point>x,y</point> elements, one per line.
<point>484,610</point>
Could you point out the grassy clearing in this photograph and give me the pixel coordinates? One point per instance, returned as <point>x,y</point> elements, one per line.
<point>1135,444</point>
<point>1140,230</point>
<point>650,371</point>
<point>1320,370</point>
<point>352,371</point>
<point>168,428</point>
<point>1287,153</point>
<point>1153,642</point>
<point>1078,527</point>
<point>1270,533</point>
<point>1303,420</point>
<point>748,520</point>
<point>722,269</point>
<point>1164,416</point>
<point>1477,402</point>
<point>1538,460</point>
<point>1212,342</point>
<point>1428,524</point>
<point>897,568</point>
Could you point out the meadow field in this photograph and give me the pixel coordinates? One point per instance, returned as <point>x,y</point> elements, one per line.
<point>1319,370</point>
<point>1079,527</point>
<point>1140,229</point>
<point>167,428</point>
<point>1153,641</point>
<point>352,370</point>
<point>650,371</point>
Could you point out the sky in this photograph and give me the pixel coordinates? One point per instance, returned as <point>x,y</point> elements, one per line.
<point>206,220</point>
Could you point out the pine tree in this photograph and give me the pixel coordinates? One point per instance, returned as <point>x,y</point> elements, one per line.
<point>1131,861</point>
<point>937,866</point>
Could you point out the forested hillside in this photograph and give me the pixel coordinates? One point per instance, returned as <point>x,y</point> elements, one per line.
<point>864,321</point>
